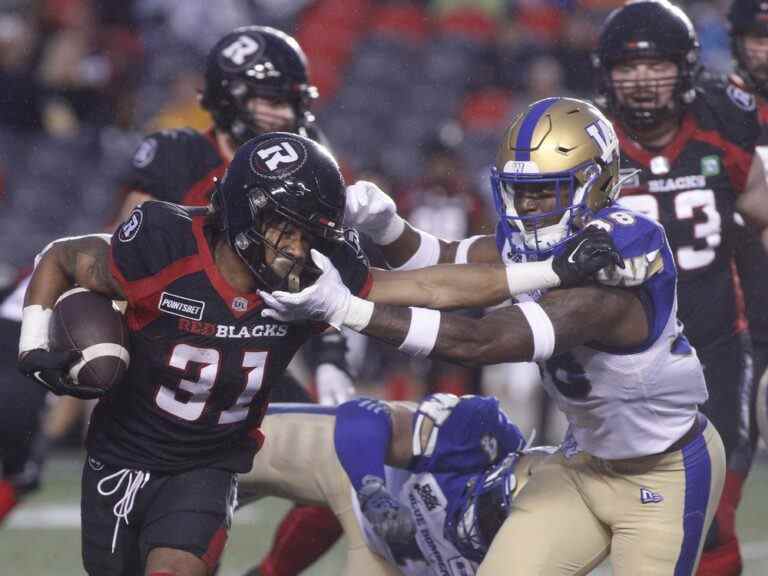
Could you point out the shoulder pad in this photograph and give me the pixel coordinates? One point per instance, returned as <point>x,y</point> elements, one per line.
<point>166,164</point>
<point>458,434</point>
<point>155,235</point>
<point>352,264</point>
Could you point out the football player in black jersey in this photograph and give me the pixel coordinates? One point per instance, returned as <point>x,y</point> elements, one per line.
<point>256,80</point>
<point>164,445</point>
<point>749,45</point>
<point>687,142</point>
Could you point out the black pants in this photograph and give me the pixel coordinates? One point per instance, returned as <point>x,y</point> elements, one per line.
<point>127,513</point>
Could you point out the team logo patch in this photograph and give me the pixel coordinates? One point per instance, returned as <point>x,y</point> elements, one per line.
<point>181,306</point>
<point>240,304</point>
<point>145,153</point>
<point>94,464</point>
<point>278,158</point>
<point>742,99</point>
<point>490,446</point>
<point>241,52</point>
<point>131,226</point>
<point>710,166</point>
<point>650,497</point>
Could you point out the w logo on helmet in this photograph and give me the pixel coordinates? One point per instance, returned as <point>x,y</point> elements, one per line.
<point>605,138</point>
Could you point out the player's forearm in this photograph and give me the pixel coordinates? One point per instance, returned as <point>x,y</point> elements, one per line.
<point>442,287</point>
<point>451,337</point>
<point>415,249</point>
<point>448,287</point>
<point>52,276</point>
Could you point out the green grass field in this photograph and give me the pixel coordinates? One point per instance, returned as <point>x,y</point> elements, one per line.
<point>42,537</point>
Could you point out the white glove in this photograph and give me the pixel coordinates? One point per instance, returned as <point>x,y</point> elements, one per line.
<point>373,212</point>
<point>334,386</point>
<point>327,300</point>
<point>636,270</point>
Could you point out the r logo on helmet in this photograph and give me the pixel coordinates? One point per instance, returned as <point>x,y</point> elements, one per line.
<point>276,159</point>
<point>131,226</point>
<point>241,51</point>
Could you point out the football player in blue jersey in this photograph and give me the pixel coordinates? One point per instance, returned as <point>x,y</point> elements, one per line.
<point>640,472</point>
<point>419,488</point>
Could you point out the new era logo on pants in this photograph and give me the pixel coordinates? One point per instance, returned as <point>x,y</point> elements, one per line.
<point>649,496</point>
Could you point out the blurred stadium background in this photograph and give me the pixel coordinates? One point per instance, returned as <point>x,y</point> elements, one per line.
<point>413,95</point>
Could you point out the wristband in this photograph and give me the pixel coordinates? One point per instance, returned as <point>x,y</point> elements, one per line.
<point>462,250</point>
<point>428,253</point>
<point>422,332</point>
<point>542,329</point>
<point>391,232</point>
<point>522,278</point>
<point>34,328</point>
<point>359,313</point>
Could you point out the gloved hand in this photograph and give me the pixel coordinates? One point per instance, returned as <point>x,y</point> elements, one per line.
<point>51,369</point>
<point>584,255</point>
<point>334,385</point>
<point>634,272</point>
<point>373,212</point>
<point>390,519</point>
<point>327,300</point>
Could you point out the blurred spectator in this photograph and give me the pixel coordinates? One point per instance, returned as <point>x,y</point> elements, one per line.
<point>86,67</point>
<point>19,92</point>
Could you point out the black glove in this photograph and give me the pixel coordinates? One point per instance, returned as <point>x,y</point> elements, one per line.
<point>584,255</point>
<point>51,369</point>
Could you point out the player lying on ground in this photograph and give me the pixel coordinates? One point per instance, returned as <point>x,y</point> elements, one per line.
<point>641,471</point>
<point>419,489</point>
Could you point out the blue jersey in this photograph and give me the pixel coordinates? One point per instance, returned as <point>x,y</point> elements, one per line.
<point>630,402</point>
<point>455,440</point>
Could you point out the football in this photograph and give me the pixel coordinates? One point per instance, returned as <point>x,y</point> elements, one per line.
<point>92,324</point>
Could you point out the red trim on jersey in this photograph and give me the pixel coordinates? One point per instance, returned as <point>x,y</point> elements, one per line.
<point>143,295</point>
<point>741,323</point>
<point>735,159</point>
<point>200,192</point>
<point>367,286</point>
<point>762,112</point>
<point>671,151</point>
<point>215,548</point>
<point>137,290</point>
<point>220,284</point>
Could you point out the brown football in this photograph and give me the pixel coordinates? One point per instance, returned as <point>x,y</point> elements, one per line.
<point>89,322</point>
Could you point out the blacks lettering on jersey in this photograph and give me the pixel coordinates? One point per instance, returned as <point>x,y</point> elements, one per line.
<point>691,187</point>
<point>177,166</point>
<point>203,359</point>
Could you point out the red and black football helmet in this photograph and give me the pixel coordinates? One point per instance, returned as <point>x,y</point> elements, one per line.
<point>646,29</point>
<point>280,176</point>
<point>255,61</point>
<point>750,18</point>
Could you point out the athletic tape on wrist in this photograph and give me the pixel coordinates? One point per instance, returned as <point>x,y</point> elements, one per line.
<point>358,314</point>
<point>422,332</point>
<point>428,253</point>
<point>522,278</point>
<point>34,328</point>
<point>462,250</point>
<point>542,329</point>
<point>391,232</point>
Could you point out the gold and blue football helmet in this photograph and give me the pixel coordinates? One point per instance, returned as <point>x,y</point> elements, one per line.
<point>562,144</point>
